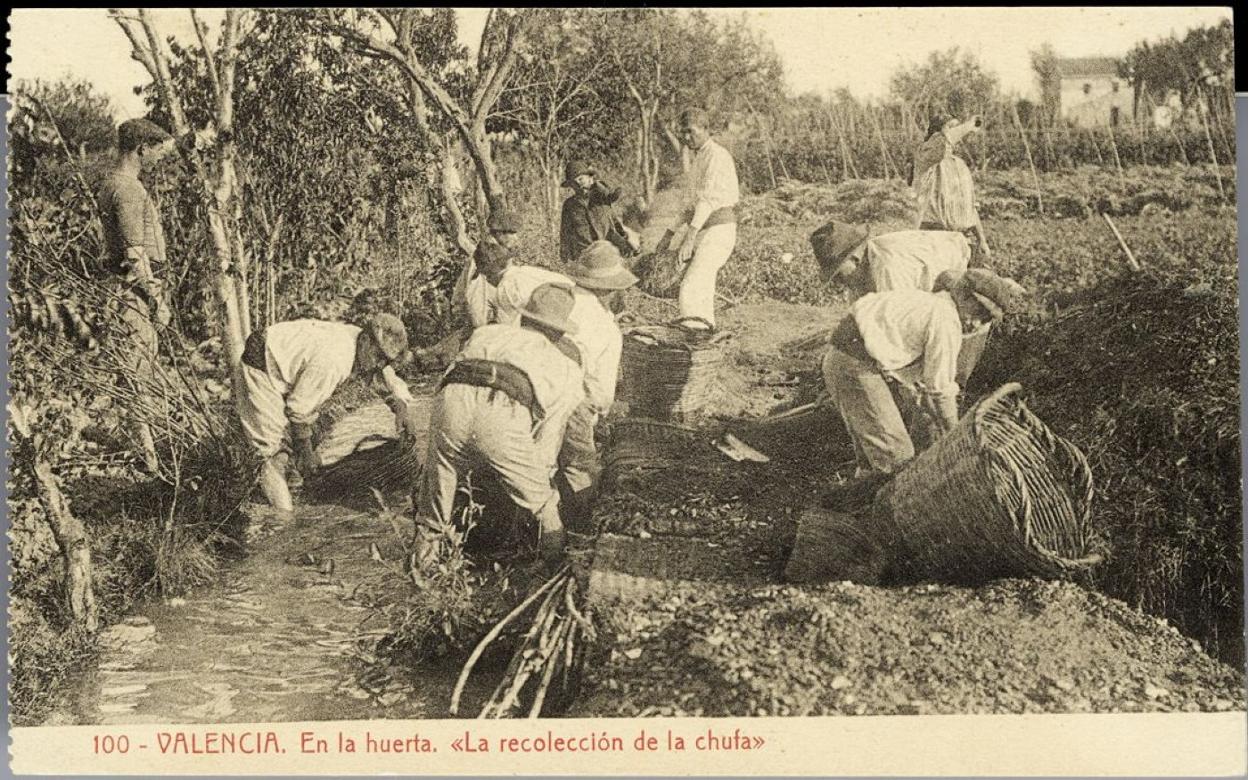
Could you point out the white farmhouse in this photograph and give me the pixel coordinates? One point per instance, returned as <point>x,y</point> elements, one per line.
<point>1092,94</point>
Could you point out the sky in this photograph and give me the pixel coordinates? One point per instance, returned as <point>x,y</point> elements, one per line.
<point>822,48</point>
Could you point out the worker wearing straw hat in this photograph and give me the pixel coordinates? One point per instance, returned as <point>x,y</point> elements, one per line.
<point>912,338</point>
<point>710,232</point>
<point>287,373</point>
<point>503,405</point>
<point>899,260</point>
<point>589,215</point>
<point>600,276</point>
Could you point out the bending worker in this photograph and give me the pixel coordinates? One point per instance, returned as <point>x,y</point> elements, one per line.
<point>502,405</point>
<point>710,233</point>
<point>600,277</point>
<point>911,338</point>
<point>900,260</point>
<point>290,369</point>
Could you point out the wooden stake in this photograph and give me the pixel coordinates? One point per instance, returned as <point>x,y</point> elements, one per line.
<point>1035,177</point>
<point>1126,250</point>
<point>1113,145</point>
<point>1202,109</point>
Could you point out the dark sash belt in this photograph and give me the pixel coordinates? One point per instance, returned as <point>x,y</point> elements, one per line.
<point>501,377</point>
<point>725,215</point>
<point>253,351</point>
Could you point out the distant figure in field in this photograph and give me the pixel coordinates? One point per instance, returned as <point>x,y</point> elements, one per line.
<point>942,180</point>
<point>134,242</point>
<point>710,227</point>
<point>589,215</point>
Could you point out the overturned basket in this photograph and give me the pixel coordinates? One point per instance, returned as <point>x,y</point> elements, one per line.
<point>660,270</point>
<point>1000,495</point>
<point>666,375</point>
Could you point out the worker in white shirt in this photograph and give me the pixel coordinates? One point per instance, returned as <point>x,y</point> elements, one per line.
<point>290,369</point>
<point>710,232</point>
<point>909,337</point>
<point>600,276</point>
<point>503,405</point>
<point>900,260</point>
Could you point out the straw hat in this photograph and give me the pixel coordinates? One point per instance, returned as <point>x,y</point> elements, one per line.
<point>834,241</point>
<point>576,168</point>
<point>550,305</point>
<point>600,267</point>
<point>390,335</point>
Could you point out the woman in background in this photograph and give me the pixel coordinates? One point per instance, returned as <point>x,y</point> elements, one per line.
<point>942,180</point>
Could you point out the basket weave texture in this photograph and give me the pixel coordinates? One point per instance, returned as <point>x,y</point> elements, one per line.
<point>665,377</point>
<point>660,270</point>
<point>1000,495</point>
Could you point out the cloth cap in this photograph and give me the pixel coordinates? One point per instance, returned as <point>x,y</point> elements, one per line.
<point>601,267</point>
<point>550,305</point>
<point>133,133</point>
<point>390,335</point>
<point>503,220</point>
<point>834,241</point>
<point>576,168</point>
<point>999,295</point>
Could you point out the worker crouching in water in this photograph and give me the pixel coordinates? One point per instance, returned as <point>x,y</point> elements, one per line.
<point>600,278</point>
<point>287,373</point>
<point>503,405</point>
<point>909,339</point>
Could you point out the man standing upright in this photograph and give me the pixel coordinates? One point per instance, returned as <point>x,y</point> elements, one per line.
<point>135,245</point>
<point>588,215</point>
<point>710,233</point>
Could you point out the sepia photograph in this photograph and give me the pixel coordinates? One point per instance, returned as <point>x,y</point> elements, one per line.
<point>760,368</point>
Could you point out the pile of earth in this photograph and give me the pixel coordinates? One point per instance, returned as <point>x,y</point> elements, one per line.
<point>1015,646</point>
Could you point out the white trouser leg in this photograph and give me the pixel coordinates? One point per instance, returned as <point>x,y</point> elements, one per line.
<point>697,288</point>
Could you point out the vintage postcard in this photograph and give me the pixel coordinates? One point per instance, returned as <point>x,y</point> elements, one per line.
<point>591,391</point>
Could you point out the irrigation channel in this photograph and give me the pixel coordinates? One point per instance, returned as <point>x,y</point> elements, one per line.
<point>285,635</point>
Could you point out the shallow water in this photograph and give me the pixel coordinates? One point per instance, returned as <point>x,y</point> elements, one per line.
<point>282,637</point>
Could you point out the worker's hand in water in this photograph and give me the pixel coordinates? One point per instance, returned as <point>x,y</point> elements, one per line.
<point>305,458</point>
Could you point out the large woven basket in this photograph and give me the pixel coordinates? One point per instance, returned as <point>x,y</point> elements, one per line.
<point>664,375</point>
<point>660,270</point>
<point>1000,495</point>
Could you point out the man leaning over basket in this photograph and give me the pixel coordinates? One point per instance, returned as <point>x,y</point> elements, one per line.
<point>909,339</point>
<point>600,276</point>
<point>710,229</point>
<point>287,373</point>
<point>899,260</point>
<point>502,405</point>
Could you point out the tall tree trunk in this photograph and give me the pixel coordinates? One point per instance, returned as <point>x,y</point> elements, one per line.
<point>71,537</point>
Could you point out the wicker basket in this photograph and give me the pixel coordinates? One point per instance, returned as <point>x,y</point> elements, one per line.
<point>664,375</point>
<point>660,270</point>
<point>998,496</point>
<point>836,546</point>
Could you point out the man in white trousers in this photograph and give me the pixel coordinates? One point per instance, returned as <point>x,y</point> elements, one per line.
<point>710,231</point>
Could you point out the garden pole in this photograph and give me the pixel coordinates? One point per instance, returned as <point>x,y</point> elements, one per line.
<point>1203,110</point>
<point>1131,261</point>
<point>1035,177</point>
<point>1113,145</point>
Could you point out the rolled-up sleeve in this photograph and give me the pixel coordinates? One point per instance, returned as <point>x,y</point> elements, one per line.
<point>940,356</point>
<point>311,389</point>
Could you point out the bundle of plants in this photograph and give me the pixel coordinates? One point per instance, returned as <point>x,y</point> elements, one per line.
<point>1144,377</point>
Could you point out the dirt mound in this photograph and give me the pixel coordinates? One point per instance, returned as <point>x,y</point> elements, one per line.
<point>883,202</point>
<point>1016,646</point>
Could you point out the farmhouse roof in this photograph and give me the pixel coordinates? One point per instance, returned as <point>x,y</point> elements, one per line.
<point>1080,67</point>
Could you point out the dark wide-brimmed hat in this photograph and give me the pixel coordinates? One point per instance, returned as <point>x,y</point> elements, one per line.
<point>551,305</point>
<point>999,295</point>
<point>503,220</point>
<point>600,266</point>
<point>576,168</point>
<point>833,242</point>
<point>390,335</point>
